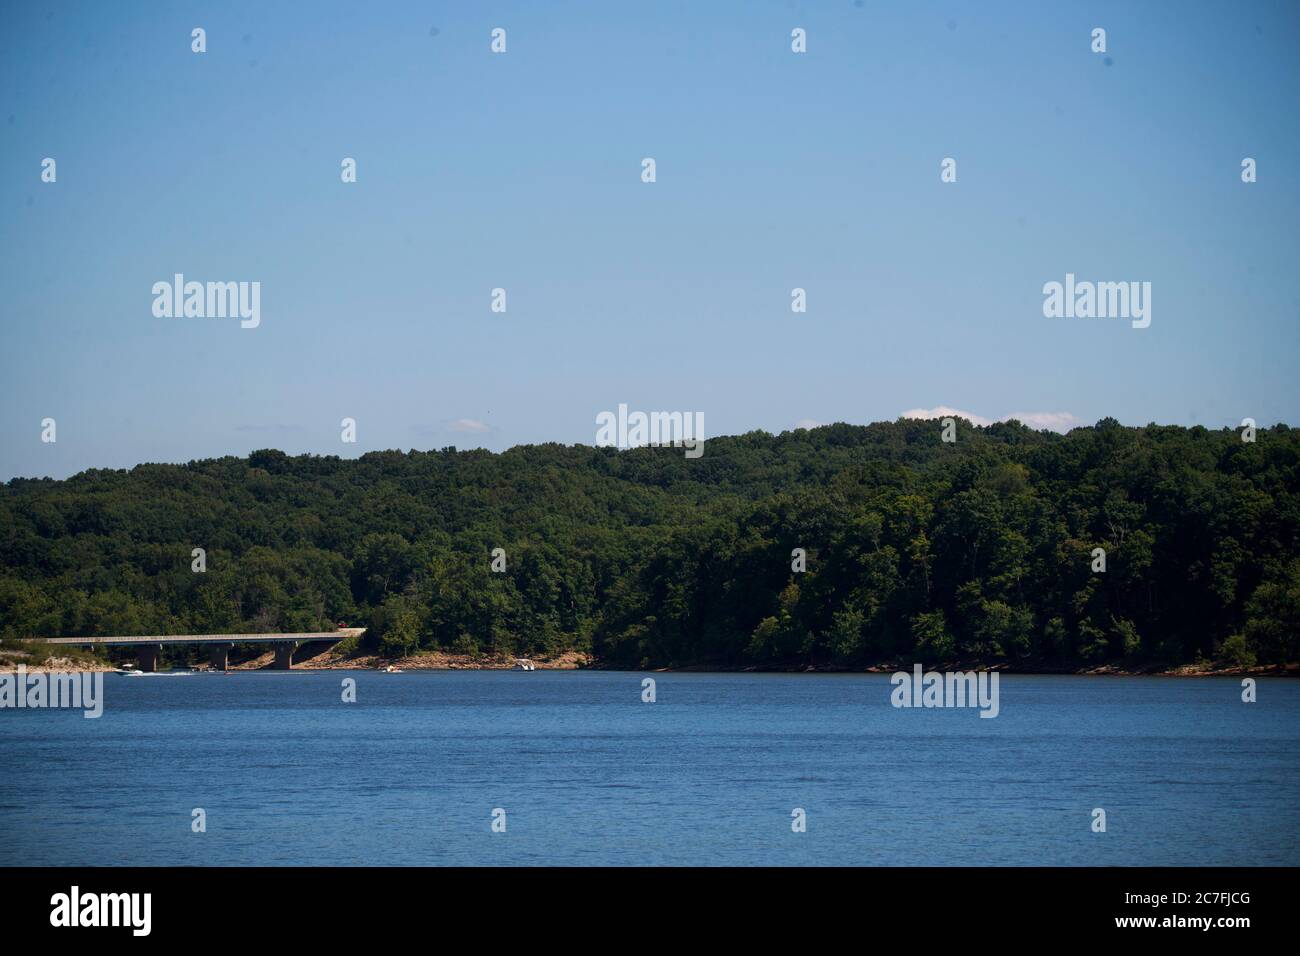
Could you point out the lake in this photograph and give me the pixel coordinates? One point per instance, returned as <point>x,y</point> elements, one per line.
<point>709,773</point>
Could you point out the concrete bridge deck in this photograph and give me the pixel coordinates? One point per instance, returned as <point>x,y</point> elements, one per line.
<point>150,646</point>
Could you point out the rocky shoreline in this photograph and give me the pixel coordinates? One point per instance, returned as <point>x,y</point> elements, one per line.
<point>574,660</point>
<point>426,661</point>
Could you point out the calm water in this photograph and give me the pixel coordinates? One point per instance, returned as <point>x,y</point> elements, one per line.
<point>588,774</point>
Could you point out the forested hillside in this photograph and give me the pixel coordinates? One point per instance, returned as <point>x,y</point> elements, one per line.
<point>980,550</point>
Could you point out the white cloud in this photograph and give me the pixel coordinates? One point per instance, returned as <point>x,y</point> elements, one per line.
<point>1056,421</point>
<point>472,425</point>
<point>943,411</point>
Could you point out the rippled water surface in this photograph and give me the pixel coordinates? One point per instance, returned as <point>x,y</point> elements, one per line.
<point>708,774</point>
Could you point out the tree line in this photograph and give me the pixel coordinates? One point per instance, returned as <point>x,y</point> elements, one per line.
<point>979,551</point>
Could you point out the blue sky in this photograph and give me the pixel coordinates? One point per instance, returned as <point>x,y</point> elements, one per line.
<point>522,171</point>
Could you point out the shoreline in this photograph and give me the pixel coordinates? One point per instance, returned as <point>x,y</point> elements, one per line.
<point>576,660</point>
<point>572,660</point>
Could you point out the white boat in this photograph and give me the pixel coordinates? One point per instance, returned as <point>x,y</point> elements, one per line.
<point>390,669</point>
<point>524,664</point>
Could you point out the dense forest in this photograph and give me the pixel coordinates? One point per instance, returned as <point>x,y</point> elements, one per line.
<point>980,550</point>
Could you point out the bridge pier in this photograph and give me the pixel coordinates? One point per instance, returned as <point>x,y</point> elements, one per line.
<point>219,656</point>
<point>147,657</point>
<point>284,655</point>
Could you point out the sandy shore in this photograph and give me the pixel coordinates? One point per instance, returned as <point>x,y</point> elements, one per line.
<point>60,664</point>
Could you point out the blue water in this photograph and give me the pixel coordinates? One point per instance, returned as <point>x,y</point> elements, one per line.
<point>708,774</point>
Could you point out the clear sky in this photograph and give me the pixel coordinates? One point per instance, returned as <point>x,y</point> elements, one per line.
<point>522,170</point>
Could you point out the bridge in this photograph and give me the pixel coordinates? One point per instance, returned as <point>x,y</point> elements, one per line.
<point>218,645</point>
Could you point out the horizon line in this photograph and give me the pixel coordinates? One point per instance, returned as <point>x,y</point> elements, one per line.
<point>704,441</point>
